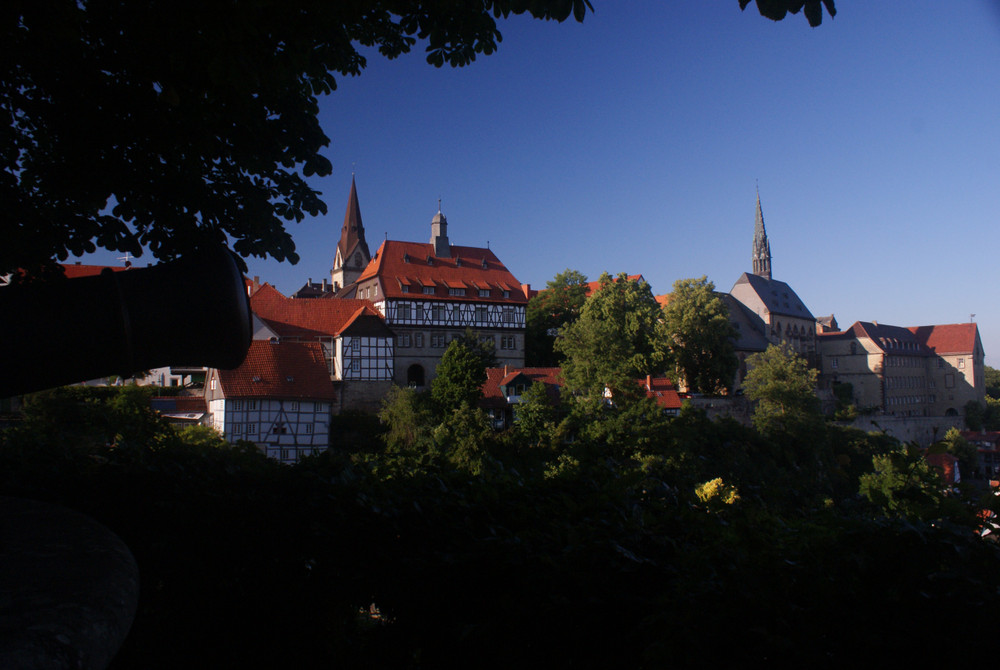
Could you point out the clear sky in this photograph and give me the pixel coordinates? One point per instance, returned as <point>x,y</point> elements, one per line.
<point>634,143</point>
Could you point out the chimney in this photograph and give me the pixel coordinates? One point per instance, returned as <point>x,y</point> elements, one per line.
<point>649,382</point>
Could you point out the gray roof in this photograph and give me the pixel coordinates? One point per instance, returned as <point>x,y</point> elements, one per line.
<point>777,296</point>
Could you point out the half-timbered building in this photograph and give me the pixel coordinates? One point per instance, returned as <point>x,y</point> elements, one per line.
<point>430,293</point>
<point>357,345</point>
<point>280,399</point>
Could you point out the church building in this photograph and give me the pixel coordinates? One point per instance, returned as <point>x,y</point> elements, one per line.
<point>778,312</point>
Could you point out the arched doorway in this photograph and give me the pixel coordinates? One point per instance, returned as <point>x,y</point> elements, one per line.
<point>951,411</point>
<point>415,375</point>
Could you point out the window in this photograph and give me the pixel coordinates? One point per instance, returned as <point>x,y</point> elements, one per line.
<point>403,340</point>
<point>294,407</point>
<point>949,381</point>
<point>309,428</point>
<point>481,314</point>
<point>428,290</point>
<point>213,383</point>
<point>251,429</point>
<point>355,346</point>
<point>279,428</point>
<point>237,428</point>
<point>403,311</point>
<point>456,291</point>
<point>419,339</point>
<point>834,363</point>
<point>508,315</point>
<point>251,405</point>
<point>437,313</point>
<point>508,342</point>
<point>484,293</point>
<point>375,289</point>
<point>321,407</point>
<point>405,288</point>
<point>237,405</point>
<point>940,363</point>
<point>437,340</point>
<point>961,363</point>
<point>456,314</point>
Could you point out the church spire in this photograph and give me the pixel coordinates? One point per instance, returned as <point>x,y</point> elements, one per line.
<point>352,253</point>
<point>761,247</point>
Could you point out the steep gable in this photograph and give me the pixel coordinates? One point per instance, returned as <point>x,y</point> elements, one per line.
<point>956,338</point>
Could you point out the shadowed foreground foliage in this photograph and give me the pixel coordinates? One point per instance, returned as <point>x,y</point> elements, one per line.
<point>587,555</point>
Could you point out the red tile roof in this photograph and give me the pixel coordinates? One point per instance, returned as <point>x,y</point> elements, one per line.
<point>946,464</point>
<point>285,370</point>
<point>497,377</point>
<point>413,264</point>
<point>76,270</point>
<point>594,285</point>
<point>956,338</point>
<point>290,317</point>
<point>662,390</point>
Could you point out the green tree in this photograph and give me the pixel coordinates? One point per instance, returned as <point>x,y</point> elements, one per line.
<point>145,124</point>
<point>549,311</point>
<point>776,10</point>
<point>618,338</point>
<point>461,373</point>
<point>535,418</point>
<point>783,387</point>
<point>992,378</point>
<point>700,336</point>
<point>903,484</point>
<point>959,447</point>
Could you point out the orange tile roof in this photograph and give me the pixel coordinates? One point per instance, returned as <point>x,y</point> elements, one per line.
<point>398,264</point>
<point>290,317</point>
<point>662,391</point>
<point>285,370</point>
<point>947,466</point>
<point>955,338</point>
<point>497,377</point>
<point>594,285</point>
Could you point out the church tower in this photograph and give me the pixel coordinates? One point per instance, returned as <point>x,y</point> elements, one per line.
<point>352,251</point>
<point>761,247</point>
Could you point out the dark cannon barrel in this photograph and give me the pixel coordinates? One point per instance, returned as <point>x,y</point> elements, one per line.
<point>192,311</point>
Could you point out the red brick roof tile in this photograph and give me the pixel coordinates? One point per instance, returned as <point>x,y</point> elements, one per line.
<point>398,264</point>
<point>955,338</point>
<point>290,317</point>
<point>285,370</point>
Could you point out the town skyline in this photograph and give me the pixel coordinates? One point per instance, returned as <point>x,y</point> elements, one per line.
<point>635,143</point>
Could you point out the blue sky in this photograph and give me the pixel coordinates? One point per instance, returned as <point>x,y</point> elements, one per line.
<point>634,143</point>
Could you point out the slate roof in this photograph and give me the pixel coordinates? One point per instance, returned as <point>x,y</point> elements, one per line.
<point>777,296</point>
<point>280,370</point>
<point>413,264</point>
<point>955,338</point>
<point>891,339</point>
<point>291,317</point>
<point>352,235</point>
<point>750,328</point>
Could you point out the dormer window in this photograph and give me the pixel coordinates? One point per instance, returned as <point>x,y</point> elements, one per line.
<point>485,266</point>
<point>458,262</point>
<point>429,290</point>
<point>430,260</point>
<point>484,293</point>
<point>257,379</point>
<point>406,258</point>
<point>289,378</point>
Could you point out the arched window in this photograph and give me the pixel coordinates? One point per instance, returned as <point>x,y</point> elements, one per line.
<point>415,375</point>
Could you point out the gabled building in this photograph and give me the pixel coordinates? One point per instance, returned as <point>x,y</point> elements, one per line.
<point>918,371</point>
<point>357,345</point>
<point>782,315</point>
<point>280,399</point>
<point>431,292</point>
<point>504,387</point>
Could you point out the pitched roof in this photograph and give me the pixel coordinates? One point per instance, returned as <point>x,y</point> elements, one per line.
<point>662,390</point>
<point>946,464</point>
<point>592,286</point>
<point>413,264</point>
<point>352,235</point>
<point>285,370</point>
<point>894,339</point>
<point>290,317</point>
<point>955,338</point>
<point>76,270</point>
<point>496,377</point>
<point>777,296</point>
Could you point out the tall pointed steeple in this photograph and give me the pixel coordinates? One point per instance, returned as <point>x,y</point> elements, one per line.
<point>761,247</point>
<point>352,250</point>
